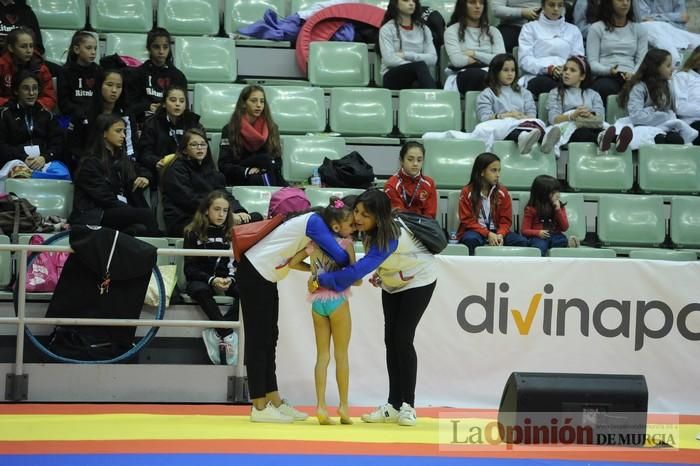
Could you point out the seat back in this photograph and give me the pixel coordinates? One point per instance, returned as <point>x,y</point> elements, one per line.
<point>215,103</point>
<point>241,13</point>
<point>189,17</point>
<point>214,140</point>
<point>121,16</point>
<point>449,161</point>
<point>297,109</point>
<point>421,111</point>
<point>132,45</point>
<point>299,5</point>
<point>361,111</point>
<point>613,112</point>
<point>663,255</point>
<point>64,14</point>
<point>302,154</point>
<point>455,250</point>
<point>669,169</point>
<point>160,243</point>
<point>631,220</point>
<point>589,170</point>
<point>470,117</point>
<point>5,263</point>
<point>685,221</point>
<point>338,64</point>
<point>50,197</point>
<point>542,112</point>
<point>507,251</point>
<point>587,253</point>
<point>254,198</point>
<point>56,43</point>
<point>206,59</point>
<point>318,197</point>
<point>519,170</point>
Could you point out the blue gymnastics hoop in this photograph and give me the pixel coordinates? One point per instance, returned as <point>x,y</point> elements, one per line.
<point>138,347</point>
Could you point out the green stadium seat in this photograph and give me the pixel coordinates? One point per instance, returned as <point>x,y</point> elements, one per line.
<point>189,17</point>
<point>421,111</point>
<point>663,255</point>
<point>132,45</point>
<point>507,251</point>
<point>378,3</point>
<point>686,54</point>
<point>470,118</point>
<point>583,252</point>
<point>449,161</point>
<point>254,198</point>
<point>121,16</point>
<point>215,103</point>
<point>206,59</point>
<point>56,43</point>
<point>542,112</point>
<point>160,243</point>
<point>455,250</point>
<point>338,64</point>
<point>590,170</point>
<point>613,112</point>
<point>182,281</point>
<point>298,5</point>
<point>241,13</point>
<point>318,197</point>
<point>519,170</point>
<point>361,111</point>
<point>297,109</point>
<point>50,197</point>
<point>444,7</point>
<point>669,169</point>
<point>5,263</point>
<point>515,50</point>
<point>214,145</point>
<point>302,154</point>
<point>631,220</point>
<point>64,14</point>
<point>452,222</point>
<point>685,221</point>
<point>575,213</point>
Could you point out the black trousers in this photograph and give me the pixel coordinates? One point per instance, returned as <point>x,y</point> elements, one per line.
<point>260,305</point>
<point>696,125</point>
<point>541,84</point>
<point>471,79</point>
<point>203,293</point>
<point>585,135</point>
<point>405,76</point>
<point>135,221</point>
<point>607,85</point>
<point>510,33</point>
<point>402,312</point>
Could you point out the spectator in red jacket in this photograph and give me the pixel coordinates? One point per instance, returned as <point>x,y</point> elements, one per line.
<point>409,189</point>
<point>485,208</point>
<point>19,56</point>
<point>545,220</point>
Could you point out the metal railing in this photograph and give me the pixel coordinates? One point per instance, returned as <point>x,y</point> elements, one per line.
<point>22,320</point>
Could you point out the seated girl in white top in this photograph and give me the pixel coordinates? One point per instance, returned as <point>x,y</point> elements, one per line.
<point>686,89</point>
<point>665,22</point>
<point>470,44</point>
<point>648,98</point>
<point>615,47</point>
<point>507,111</point>
<point>406,47</point>
<point>579,112</point>
<point>544,46</point>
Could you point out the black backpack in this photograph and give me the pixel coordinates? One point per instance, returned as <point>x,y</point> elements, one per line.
<point>351,171</point>
<point>425,229</point>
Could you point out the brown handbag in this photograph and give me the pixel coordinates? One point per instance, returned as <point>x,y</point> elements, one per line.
<point>247,235</point>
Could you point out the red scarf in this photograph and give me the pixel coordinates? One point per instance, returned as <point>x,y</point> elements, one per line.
<point>254,135</point>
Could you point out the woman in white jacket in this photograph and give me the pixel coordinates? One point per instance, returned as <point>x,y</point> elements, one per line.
<point>544,45</point>
<point>686,89</point>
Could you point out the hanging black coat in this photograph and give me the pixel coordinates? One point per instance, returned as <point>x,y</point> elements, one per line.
<point>78,291</point>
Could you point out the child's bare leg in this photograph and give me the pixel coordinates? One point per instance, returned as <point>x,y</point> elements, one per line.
<point>322,330</point>
<point>341,326</point>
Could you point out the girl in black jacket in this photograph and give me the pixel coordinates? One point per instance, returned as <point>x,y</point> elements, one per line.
<point>77,83</point>
<point>161,133</point>
<point>28,132</point>
<point>150,80</point>
<point>109,188</point>
<point>250,151</point>
<point>188,180</point>
<point>211,229</point>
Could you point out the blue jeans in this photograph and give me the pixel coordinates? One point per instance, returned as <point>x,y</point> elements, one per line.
<point>555,240</point>
<point>473,239</point>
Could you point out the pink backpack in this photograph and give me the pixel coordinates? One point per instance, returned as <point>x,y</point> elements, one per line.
<point>43,274</point>
<point>288,200</point>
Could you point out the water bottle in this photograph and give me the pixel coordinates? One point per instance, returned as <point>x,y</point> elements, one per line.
<point>453,237</point>
<point>316,179</point>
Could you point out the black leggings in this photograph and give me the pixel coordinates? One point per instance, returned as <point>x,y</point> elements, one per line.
<point>513,135</point>
<point>203,293</point>
<point>134,221</point>
<point>404,76</point>
<point>585,135</point>
<point>471,79</point>
<point>672,137</point>
<point>696,125</point>
<point>260,305</point>
<point>402,312</point>
<point>510,33</point>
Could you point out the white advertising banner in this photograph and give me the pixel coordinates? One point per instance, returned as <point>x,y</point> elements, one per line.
<point>493,316</point>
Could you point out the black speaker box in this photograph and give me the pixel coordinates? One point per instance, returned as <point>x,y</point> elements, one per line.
<point>601,409</point>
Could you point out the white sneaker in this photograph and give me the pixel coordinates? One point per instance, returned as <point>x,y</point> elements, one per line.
<point>527,139</point>
<point>385,413</point>
<point>211,342</point>
<point>270,414</point>
<point>230,344</point>
<point>550,139</point>
<point>288,410</point>
<point>407,415</point>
